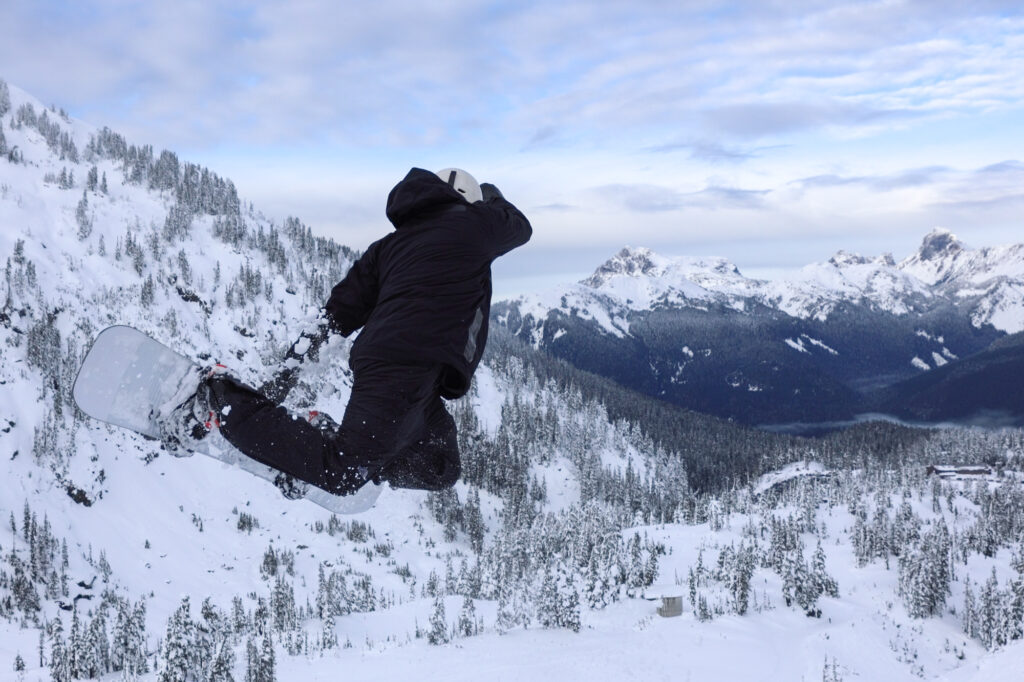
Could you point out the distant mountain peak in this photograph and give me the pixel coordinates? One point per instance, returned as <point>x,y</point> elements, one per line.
<point>630,262</point>
<point>844,258</point>
<point>938,244</point>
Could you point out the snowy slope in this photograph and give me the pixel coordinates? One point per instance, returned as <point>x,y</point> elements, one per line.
<point>228,285</point>
<point>572,492</point>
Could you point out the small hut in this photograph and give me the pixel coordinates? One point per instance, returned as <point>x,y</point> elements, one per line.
<point>671,606</point>
<point>671,597</point>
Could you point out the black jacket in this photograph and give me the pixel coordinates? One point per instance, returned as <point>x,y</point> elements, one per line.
<point>422,294</point>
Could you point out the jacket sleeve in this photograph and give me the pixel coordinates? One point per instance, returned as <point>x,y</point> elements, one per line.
<point>353,298</point>
<point>505,227</point>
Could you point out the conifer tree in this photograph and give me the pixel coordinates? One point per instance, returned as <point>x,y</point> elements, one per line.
<point>268,661</point>
<point>467,618</point>
<point>990,614</point>
<point>506,619</point>
<point>438,633</point>
<point>595,585</point>
<point>969,611</point>
<point>474,521</point>
<point>178,662</point>
<point>223,663</point>
<point>60,659</point>
<point>824,583</point>
<point>252,661</point>
<point>82,217</point>
<point>547,600</point>
<point>568,603</point>
<point>147,295</point>
<point>328,638</point>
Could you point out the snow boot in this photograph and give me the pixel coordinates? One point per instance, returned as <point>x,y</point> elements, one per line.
<point>186,419</point>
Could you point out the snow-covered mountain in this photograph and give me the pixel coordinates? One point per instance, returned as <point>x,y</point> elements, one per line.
<point>686,329</point>
<point>987,283</point>
<point>120,562</point>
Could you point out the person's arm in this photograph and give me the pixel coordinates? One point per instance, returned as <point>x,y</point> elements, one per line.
<point>506,228</point>
<point>353,298</point>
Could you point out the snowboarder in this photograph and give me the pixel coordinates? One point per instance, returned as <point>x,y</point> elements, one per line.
<point>421,296</point>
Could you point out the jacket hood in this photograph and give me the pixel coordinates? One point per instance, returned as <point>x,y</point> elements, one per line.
<point>420,192</point>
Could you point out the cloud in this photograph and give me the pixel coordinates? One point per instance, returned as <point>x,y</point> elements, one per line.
<point>757,120</point>
<point>543,136</point>
<point>995,186</point>
<point>968,196</point>
<point>641,198</point>
<point>1014,170</point>
<point>913,177</point>
<point>729,197</point>
<point>818,118</point>
<point>709,150</point>
<point>556,208</point>
<point>381,75</point>
<point>656,199</point>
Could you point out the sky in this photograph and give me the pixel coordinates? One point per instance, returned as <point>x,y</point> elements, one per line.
<point>769,133</point>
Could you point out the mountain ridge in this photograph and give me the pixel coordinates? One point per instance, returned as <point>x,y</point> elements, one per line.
<point>813,346</point>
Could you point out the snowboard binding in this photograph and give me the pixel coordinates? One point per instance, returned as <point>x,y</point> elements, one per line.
<point>183,425</point>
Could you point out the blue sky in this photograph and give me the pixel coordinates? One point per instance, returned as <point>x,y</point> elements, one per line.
<point>770,133</point>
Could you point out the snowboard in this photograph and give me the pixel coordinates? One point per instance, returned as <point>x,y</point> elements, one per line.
<point>126,374</point>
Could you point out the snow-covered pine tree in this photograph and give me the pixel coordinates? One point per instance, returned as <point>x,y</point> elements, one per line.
<point>506,619</point>
<point>268,661</point>
<point>824,583</point>
<point>438,633</point>
<point>5,98</point>
<point>79,651</point>
<point>1016,609</point>
<point>467,626</point>
<point>282,605</point>
<point>252,660</point>
<point>98,642</point>
<point>990,616</point>
<point>221,670</point>
<point>328,638</point>
<point>595,586</point>
<point>60,658</point>
<point>568,600</point>
<point>969,613</point>
<point>177,650</point>
<point>547,599</point>
<point>739,577</point>
<point>474,521</point>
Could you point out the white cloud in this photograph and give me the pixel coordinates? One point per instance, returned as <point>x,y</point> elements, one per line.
<point>389,73</point>
<point>697,122</point>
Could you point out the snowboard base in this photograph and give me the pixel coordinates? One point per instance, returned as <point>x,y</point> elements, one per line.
<point>126,374</point>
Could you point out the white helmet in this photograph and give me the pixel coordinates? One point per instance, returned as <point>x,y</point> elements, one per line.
<point>463,183</point>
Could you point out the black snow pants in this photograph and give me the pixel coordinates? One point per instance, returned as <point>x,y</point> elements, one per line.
<point>395,429</point>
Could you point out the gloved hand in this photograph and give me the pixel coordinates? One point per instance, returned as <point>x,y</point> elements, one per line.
<point>309,341</point>
<point>490,192</point>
